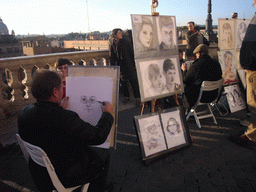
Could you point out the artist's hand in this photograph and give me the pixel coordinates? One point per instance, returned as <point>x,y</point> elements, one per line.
<point>107,107</point>
<point>64,103</point>
<point>184,66</point>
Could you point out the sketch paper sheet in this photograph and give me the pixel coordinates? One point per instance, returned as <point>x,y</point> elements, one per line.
<point>152,135</point>
<point>173,129</point>
<point>84,94</point>
<point>235,98</point>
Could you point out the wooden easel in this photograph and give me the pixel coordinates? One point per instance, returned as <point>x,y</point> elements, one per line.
<point>154,5</point>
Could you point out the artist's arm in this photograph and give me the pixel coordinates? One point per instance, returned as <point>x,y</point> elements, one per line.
<point>86,133</point>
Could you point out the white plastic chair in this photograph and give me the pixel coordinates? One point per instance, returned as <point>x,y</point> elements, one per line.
<point>40,157</point>
<point>206,86</point>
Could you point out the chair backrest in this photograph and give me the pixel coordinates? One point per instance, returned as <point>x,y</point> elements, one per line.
<point>34,152</point>
<point>23,147</point>
<point>211,86</point>
<point>40,157</point>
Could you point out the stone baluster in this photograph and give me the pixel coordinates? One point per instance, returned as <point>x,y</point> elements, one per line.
<point>8,80</point>
<point>22,77</point>
<point>103,62</point>
<point>93,62</point>
<point>82,62</point>
<point>33,70</point>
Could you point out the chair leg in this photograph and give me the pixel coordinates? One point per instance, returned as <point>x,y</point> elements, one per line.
<point>197,120</point>
<point>189,113</point>
<point>209,107</point>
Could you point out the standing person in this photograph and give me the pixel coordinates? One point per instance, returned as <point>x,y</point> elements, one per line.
<point>248,62</point>
<point>64,136</point>
<point>61,65</point>
<point>204,68</point>
<point>181,57</point>
<point>192,37</point>
<point>121,54</point>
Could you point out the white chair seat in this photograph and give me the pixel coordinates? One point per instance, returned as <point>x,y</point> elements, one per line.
<point>206,86</point>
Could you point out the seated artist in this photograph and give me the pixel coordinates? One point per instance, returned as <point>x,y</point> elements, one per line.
<point>204,68</point>
<point>64,136</point>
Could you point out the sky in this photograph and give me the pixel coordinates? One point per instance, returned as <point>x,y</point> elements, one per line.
<point>66,16</point>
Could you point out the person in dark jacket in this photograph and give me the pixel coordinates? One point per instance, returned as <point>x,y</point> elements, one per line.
<point>194,38</point>
<point>64,136</point>
<point>121,54</point>
<point>204,68</point>
<point>248,62</point>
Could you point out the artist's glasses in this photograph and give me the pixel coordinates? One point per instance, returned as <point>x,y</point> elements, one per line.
<point>91,100</point>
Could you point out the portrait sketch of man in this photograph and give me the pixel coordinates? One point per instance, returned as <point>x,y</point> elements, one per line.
<point>241,26</point>
<point>86,95</point>
<point>144,37</point>
<point>167,35</point>
<point>235,98</point>
<point>227,60</point>
<point>152,135</point>
<point>226,34</point>
<point>159,77</point>
<point>173,129</point>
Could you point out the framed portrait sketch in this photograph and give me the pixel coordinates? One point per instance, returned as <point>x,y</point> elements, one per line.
<point>167,35</point>
<point>154,36</point>
<point>144,36</point>
<point>227,59</point>
<point>159,78</point>
<point>241,27</point>
<point>161,133</point>
<point>87,88</point>
<point>235,98</point>
<point>226,33</point>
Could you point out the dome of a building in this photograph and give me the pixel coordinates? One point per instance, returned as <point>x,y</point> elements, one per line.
<point>3,28</point>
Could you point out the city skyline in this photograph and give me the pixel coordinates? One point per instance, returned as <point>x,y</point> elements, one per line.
<point>66,16</point>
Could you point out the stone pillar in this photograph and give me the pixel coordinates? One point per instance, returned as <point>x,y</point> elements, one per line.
<point>209,34</point>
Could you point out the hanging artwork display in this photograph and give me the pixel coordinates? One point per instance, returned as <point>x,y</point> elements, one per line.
<point>159,78</point>
<point>88,88</point>
<point>227,59</point>
<point>162,133</point>
<point>235,98</point>
<point>226,31</point>
<point>154,36</point>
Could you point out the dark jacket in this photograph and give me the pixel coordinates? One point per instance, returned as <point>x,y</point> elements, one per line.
<point>65,137</point>
<point>203,69</point>
<point>248,49</point>
<point>122,54</point>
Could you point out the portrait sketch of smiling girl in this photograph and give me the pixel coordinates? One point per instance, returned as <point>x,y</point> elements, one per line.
<point>86,95</point>
<point>173,129</point>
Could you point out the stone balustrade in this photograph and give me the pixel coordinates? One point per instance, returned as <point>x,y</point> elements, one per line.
<point>16,74</point>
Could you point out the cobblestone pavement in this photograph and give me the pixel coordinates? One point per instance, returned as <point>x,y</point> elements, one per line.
<point>212,163</point>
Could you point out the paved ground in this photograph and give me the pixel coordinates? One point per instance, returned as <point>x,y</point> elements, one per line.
<point>212,163</point>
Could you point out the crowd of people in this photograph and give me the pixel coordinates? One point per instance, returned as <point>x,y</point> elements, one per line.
<point>68,140</point>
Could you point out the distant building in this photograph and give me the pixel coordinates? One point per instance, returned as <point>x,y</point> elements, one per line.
<point>9,45</point>
<point>36,45</point>
<point>87,45</point>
